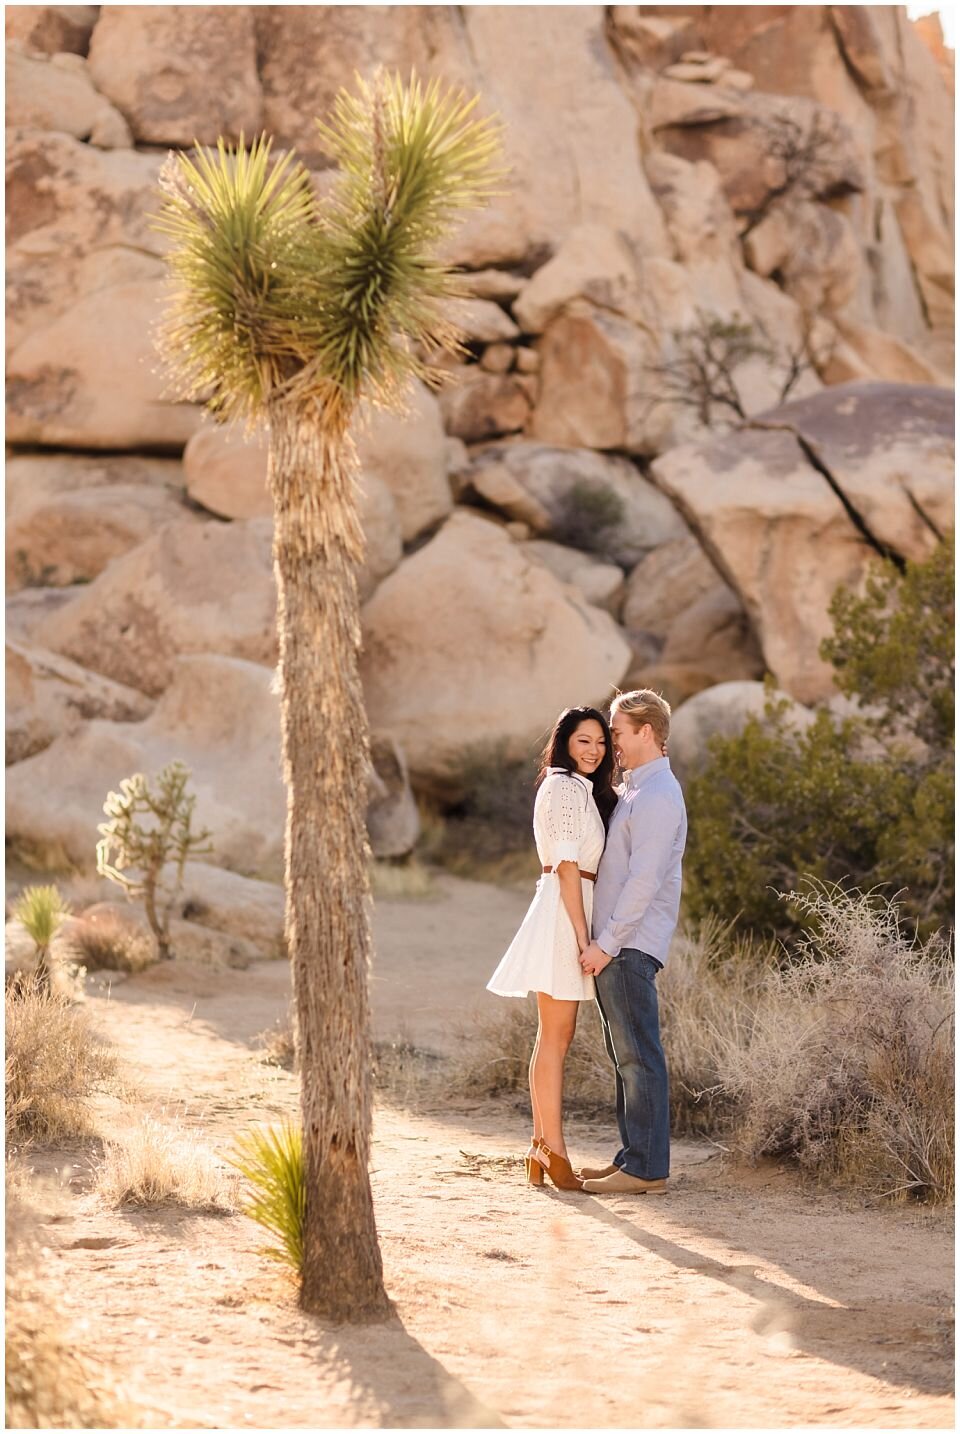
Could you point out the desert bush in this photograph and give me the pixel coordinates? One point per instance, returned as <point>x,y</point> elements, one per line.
<point>866,800</point>
<point>54,1064</point>
<point>272,1162</point>
<point>52,1382</point>
<point>584,514</point>
<point>150,827</point>
<point>487,831</point>
<point>159,1164</point>
<point>102,941</point>
<point>848,1068</point>
<point>41,911</point>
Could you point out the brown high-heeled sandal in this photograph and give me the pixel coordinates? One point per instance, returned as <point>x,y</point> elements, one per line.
<point>558,1167</point>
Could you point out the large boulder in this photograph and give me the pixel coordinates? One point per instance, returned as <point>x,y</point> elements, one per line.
<point>720,711</point>
<point>56,93</point>
<point>78,220</point>
<point>52,29</point>
<point>570,132</point>
<point>596,389</point>
<point>594,262</point>
<point>47,694</point>
<point>46,477</point>
<point>593,501</point>
<point>238,905</point>
<point>599,582</point>
<point>509,646</point>
<point>801,501</point>
<point>71,537</point>
<point>393,818</point>
<point>90,379</point>
<point>479,405</point>
<point>220,716</point>
<point>180,73</point>
<point>191,588</point>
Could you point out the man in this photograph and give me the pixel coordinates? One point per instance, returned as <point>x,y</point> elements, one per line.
<point>635,907</point>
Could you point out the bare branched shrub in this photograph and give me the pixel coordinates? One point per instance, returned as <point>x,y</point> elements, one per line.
<point>160,1164</point>
<point>54,1064</point>
<point>279,1043</point>
<point>51,1380</point>
<point>849,1069</point>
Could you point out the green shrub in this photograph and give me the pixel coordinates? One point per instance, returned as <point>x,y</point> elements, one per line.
<point>867,800</point>
<point>272,1161</point>
<point>584,515</point>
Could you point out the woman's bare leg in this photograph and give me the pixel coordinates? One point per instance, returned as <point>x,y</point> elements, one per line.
<point>558,1021</point>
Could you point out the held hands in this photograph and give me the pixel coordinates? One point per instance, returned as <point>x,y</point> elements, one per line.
<point>593,960</point>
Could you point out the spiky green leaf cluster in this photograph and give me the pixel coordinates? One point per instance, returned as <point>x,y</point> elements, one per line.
<point>279,295</point>
<point>41,910</point>
<point>272,1161</point>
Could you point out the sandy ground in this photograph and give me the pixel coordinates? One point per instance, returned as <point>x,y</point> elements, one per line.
<point>739,1300</point>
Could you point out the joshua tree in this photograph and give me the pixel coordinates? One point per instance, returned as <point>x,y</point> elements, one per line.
<point>289,310</point>
<point>41,910</point>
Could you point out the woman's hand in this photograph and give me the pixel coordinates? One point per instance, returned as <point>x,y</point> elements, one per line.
<point>583,941</point>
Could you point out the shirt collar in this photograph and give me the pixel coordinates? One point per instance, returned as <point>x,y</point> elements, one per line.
<point>639,775</point>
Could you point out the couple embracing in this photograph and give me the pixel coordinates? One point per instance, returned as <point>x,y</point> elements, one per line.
<point>599,927</point>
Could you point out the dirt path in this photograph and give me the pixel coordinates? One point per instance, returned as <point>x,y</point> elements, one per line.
<point>732,1302</point>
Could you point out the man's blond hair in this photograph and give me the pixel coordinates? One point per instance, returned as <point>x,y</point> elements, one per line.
<point>644,706</point>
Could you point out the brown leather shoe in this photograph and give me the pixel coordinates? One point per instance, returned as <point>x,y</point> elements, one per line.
<point>586,1173</point>
<point>557,1167</point>
<point>623,1184</point>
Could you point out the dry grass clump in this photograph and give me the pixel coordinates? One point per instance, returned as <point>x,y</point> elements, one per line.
<point>103,941</point>
<point>54,1064</point>
<point>279,1043</point>
<point>849,1069</point>
<point>159,1164</point>
<point>51,1381</point>
<point>399,881</point>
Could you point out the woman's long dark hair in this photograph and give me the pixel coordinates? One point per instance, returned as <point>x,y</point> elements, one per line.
<point>556,754</point>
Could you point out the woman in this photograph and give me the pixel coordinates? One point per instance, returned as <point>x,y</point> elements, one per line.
<point>574,803</point>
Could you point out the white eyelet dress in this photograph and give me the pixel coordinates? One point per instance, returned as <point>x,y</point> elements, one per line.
<point>543,955</point>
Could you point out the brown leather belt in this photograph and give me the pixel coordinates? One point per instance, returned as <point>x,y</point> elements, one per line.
<point>587,875</point>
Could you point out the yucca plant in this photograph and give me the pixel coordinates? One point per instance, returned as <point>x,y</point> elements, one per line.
<point>272,1161</point>
<point>288,311</point>
<point>41,911</point>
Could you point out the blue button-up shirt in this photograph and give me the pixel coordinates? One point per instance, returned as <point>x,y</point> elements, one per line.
<point>636,899</point>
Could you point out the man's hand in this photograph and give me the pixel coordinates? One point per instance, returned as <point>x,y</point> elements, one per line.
<point>593,959</point>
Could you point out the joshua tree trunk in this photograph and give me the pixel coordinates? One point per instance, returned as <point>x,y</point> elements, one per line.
<point>318,544</point>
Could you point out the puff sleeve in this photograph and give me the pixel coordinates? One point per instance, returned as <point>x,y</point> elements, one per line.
<point>564,818</point>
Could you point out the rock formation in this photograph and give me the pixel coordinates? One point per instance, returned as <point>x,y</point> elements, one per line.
<point>704,381</point>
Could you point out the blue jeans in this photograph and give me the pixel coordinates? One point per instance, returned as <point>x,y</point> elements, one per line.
<point>627,1000</point>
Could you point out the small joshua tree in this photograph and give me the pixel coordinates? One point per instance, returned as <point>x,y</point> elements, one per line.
<point>41,911</point>
<point>150,826</point>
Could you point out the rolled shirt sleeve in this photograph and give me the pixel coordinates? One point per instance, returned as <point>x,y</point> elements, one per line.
<point>652,837</point>
<point>565,816</point>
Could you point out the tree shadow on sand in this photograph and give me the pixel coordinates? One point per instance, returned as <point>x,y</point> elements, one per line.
<point>393,1382</point>
<point>903,1342</point>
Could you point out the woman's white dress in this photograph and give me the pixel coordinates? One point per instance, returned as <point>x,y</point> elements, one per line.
<point>543,955</point>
